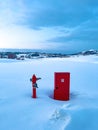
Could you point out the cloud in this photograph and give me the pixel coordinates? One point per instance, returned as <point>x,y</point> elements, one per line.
<point>16,36</point>
<point>54,24</point>
<point>81,37</point>
<point>60,13</point>
<point>38,13</point>
<point>44,13</point>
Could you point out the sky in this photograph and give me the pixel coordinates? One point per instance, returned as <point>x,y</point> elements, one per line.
<point>66,25</point>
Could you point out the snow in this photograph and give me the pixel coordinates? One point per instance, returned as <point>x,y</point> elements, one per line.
<point>19,111</point>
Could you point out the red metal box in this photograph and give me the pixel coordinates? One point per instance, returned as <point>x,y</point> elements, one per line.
<point>61,85</point>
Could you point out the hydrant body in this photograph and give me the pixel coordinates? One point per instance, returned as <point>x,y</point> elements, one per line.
<point>34,89</point>
<point>34,93</point>
<point>34,79</point>
<point>34,85</point>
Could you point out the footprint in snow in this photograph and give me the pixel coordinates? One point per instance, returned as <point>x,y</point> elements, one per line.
<point>58,121</point>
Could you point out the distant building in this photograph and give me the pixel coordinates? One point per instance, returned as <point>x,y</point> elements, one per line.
<point>21,56</point>
<point>12,56</point>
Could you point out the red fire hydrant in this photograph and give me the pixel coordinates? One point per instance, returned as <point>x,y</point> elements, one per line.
<point>34,85</point>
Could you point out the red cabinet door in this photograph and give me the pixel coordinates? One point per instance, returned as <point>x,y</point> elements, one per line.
<point>61,85</point>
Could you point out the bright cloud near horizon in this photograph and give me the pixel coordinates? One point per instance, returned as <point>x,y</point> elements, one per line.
<point>53,24</point>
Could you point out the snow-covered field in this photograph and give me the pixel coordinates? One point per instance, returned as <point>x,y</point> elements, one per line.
<point>19,111</point>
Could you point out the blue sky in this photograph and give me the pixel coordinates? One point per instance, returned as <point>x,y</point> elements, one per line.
<point>70,25</point>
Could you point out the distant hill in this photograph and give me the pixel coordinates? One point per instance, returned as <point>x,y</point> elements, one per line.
<point>31,53</point>
<point>89,52</point>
